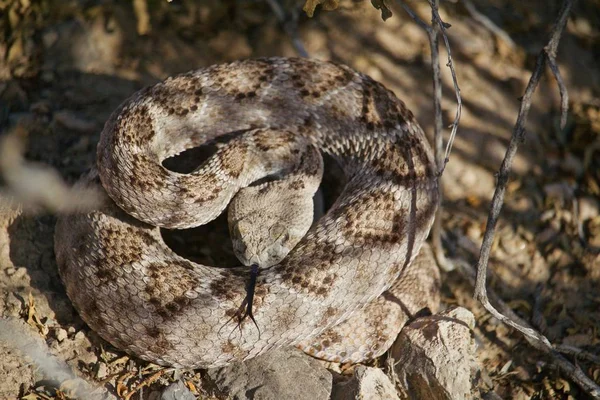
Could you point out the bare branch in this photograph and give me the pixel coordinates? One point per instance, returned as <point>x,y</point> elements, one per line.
<point>415,17</point>
<point>578,353</point>
<point>488,23</point>
<point>564,94</point>
<point>290,26</point>
<point>442,26</point>
<point>432,34</point>
<point>437,26</point>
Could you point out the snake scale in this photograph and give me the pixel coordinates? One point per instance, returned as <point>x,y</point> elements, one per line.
<point>280,115</point>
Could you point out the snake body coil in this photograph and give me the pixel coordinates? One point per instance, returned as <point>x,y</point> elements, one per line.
<point>140,296</point>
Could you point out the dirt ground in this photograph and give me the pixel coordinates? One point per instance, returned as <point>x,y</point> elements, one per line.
<point>65,65</point>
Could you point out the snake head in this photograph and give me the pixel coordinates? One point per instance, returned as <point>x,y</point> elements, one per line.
<point>263,233</point>
<point>256,241</point>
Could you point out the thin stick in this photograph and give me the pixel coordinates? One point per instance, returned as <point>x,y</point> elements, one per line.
<point>442,25</point>
<point>438,138</point>
<point>488,23</point>
<point>415,17</point>
<point>578,353</point>
<point>437,26</point>
<point>290,26</point>
<point>564,94</point>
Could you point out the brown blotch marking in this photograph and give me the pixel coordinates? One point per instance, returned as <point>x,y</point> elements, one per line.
<point>209,190</point>
<point>134,125</point>
<point>360,227</point>
<point>232,312</point>
<point>223,288</point>
<point>127,248</point>
<point>152,331</point>
<point>381,108</point>
<point>266,140</point>
<point>174,279</point>
<point>160,343</point>
<point>178,95</point>
<point>260,291</point>
<point>91,307</point>
<point>335,337</point>
<point>243,81</point>
<point>330,312</point>
<point>329,279</point>
<point>232,158</point>
<point>313,81</point>
<point>309,163</point>
<point>297,185</point>
<point>105,275</point>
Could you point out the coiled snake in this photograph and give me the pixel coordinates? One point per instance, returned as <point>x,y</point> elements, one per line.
<point>281,115</point>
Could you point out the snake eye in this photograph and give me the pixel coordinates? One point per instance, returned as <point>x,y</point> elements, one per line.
<point>277,231</point>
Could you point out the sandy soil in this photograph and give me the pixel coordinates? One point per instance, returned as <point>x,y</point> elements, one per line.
<point>65,65</point>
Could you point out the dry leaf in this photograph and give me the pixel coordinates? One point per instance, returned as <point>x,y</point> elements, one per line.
<point>328,5</point>
<point>381,5</point>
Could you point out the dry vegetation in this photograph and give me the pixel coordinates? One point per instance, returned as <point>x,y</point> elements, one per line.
<point>65,65</point>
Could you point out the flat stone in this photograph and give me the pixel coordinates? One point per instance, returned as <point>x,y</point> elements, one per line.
<point>280,374</point>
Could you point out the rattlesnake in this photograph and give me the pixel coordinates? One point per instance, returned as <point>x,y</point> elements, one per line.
<point>280,114</point>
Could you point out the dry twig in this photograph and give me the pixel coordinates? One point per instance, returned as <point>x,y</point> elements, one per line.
<point>488,23</point>
<point>290,25</point>
<point>536,339</point>
<point>432,31</point>
<point>564,94</point>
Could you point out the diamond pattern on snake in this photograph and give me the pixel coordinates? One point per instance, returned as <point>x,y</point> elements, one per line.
<point>340,288</point>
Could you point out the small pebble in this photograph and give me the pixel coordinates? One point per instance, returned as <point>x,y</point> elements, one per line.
<point>79,336</point>
<point>60,334</point>
<point>177,391</point>
<point>20,273</point>
<point>101,370</point>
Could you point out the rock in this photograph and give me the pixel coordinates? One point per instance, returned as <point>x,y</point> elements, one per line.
<point>60,334</point>
<point>177,391</point>
<point>280,374</point>
<point>435,357</point>
<point>367,384</point>
<point>79,336</point>
<point>101,370</point>
<point>589,208</point>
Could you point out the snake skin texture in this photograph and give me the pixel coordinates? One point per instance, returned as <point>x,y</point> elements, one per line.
<point>140,296</point>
